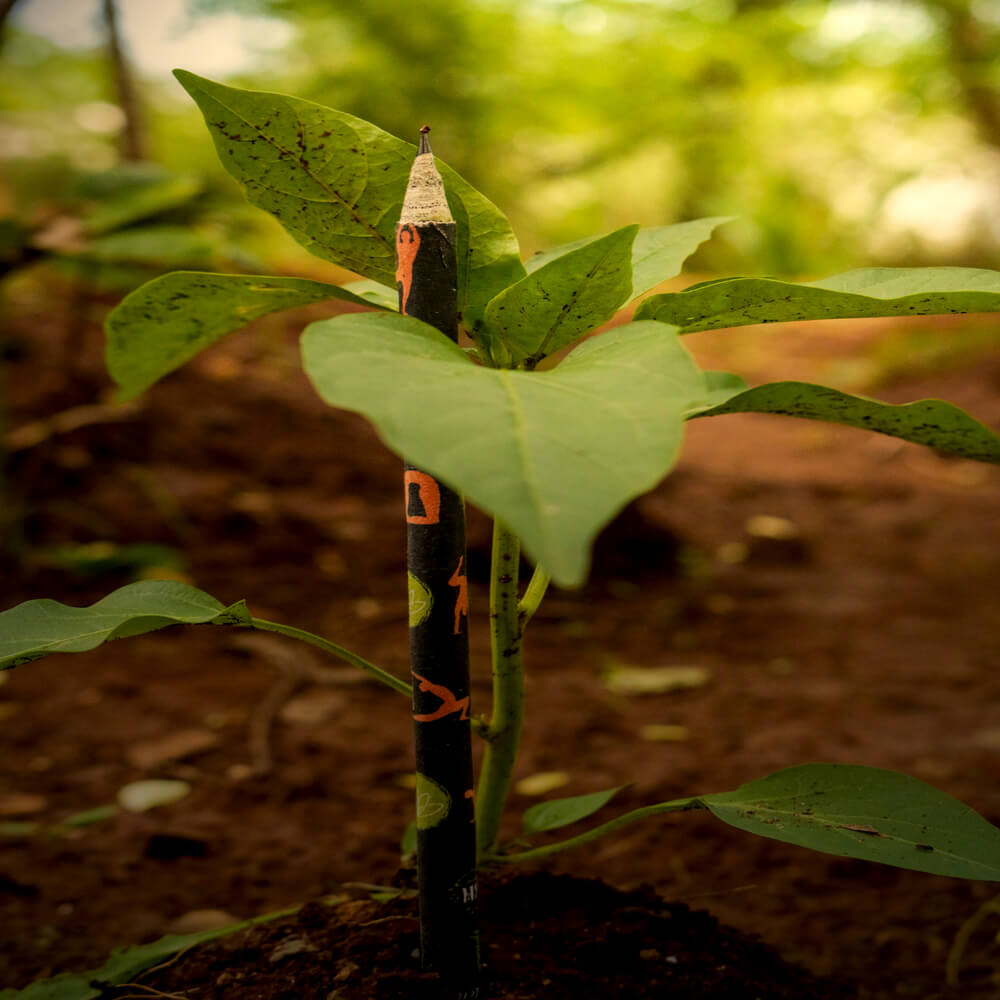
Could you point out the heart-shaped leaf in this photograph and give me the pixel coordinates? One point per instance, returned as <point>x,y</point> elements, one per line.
<point>872,291</point>
<point>554,454</point>
<point>336,183</point>
<point>37,628</point>
<point>865,813</point>
<point>561,812</point>
<point>930,422</point>
<point>167,321</point>
<point>564,299</point>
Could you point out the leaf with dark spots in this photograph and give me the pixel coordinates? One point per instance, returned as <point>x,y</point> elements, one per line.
<point>874,291</point>
<point>346,193</point>
<point>559,302</point>
<point>170,319</point>
<point>865,813</point>
<point>930,422</point>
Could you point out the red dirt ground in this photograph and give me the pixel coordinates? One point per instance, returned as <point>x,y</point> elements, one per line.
<point>874,637</point>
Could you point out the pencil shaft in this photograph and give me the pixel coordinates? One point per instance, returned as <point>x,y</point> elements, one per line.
<point>439,651</point>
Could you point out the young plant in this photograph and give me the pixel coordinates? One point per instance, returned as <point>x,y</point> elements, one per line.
<point>552,453</point>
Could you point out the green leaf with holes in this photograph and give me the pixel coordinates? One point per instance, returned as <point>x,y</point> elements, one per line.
<point>868,292</point>
<point>554,454</point>
<point>563,299</point>
<point>167,321</point>
<point>336,183</point>
<point>865,813</point>
<point>35,629</point>
<point>931,422</point>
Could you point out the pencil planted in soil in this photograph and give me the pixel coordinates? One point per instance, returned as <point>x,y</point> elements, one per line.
<point>427,277</point>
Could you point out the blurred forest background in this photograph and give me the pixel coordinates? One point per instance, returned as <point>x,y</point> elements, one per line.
<point>841,133</point>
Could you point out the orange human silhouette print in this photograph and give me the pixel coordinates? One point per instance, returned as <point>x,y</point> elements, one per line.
<point>460,580</point>
<point>449,703</point>
<point>428,498</point>
<point>407,245</point>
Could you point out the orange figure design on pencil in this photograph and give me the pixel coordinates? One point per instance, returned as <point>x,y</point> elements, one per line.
<point>406,254</point>
<point>449,703</point>
<point>460,580</point>
<point>429,495</point>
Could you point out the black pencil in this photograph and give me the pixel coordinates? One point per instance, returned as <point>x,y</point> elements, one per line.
<point>427,276</point>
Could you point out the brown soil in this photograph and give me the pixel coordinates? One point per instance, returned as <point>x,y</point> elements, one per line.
<point>544,935</point>
<point>873,637</point>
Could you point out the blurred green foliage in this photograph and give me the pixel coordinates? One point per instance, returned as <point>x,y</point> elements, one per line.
<point>841,132</point>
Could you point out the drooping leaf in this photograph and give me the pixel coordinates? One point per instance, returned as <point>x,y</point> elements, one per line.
<point>873,291</point>
<point>68,986</point>
<point>562,812</point>
<point>554,454</point>
<point>167,321</point>
<point>563,299</point>
<point>930,422</point>
<point>37,628</point>
<point>865,813</point>
<point>336,183</point>
<point>125,964</point>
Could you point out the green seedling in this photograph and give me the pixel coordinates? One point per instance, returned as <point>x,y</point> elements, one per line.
<point>552,451</point>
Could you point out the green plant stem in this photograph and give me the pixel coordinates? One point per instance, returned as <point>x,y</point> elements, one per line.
<point>504,732</point>
<point>396,683</point>
<point>533,595</point>
<point>677,805</point>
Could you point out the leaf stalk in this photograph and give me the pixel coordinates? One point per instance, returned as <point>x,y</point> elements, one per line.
<point>396,683</point>
<point>676,805</point>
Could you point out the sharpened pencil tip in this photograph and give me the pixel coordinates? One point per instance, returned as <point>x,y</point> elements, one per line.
<point>425,145</point>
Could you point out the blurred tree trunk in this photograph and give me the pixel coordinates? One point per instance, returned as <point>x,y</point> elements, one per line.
<point>974,49</point>
<point>6,6</point>
<point>133,135</point>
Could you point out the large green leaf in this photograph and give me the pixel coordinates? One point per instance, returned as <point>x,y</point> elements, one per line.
<point>554,454</point>
<point>37,628</point>
<point>336,183</point>
<point>930,422</point>
<point>865,813</point>
<point>873,291</point>
<point>167,321</point>
<point>565,298</point>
